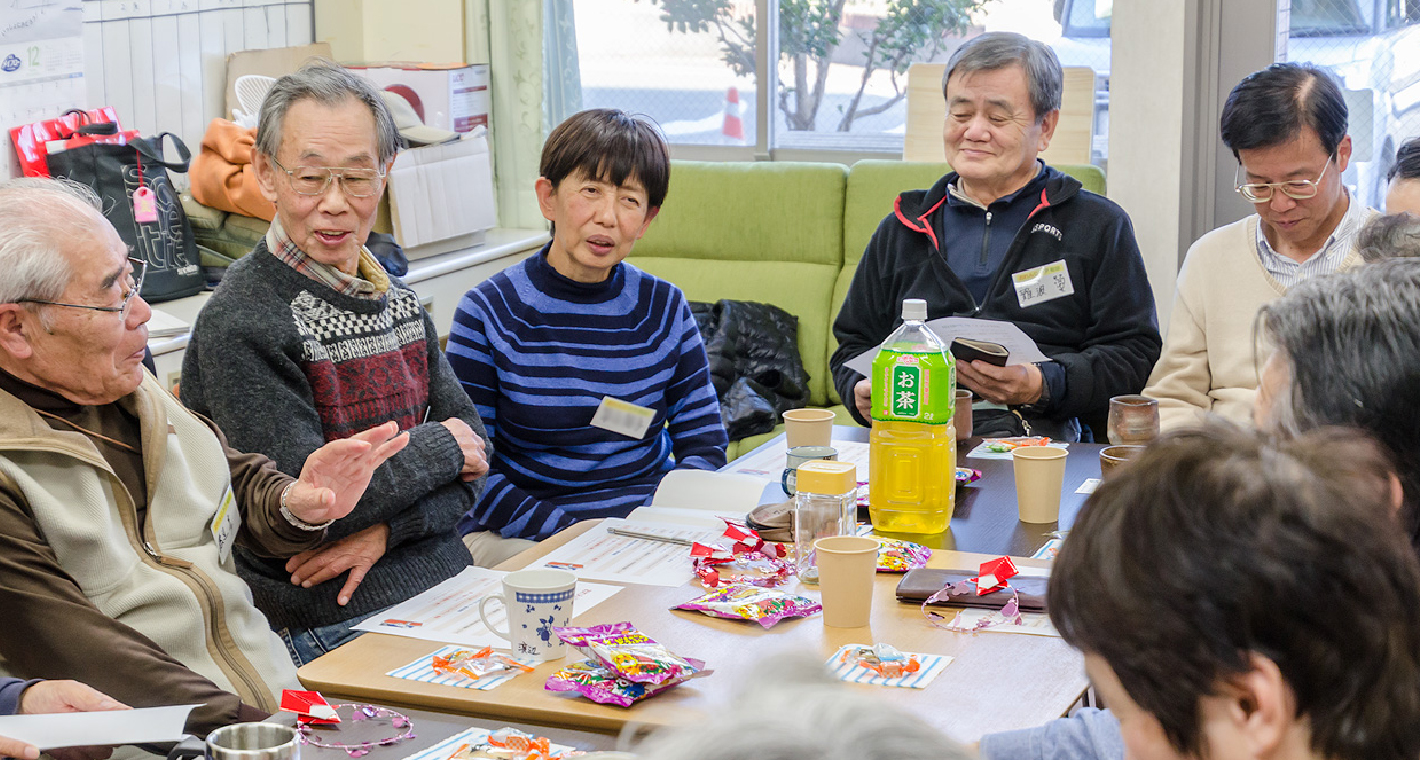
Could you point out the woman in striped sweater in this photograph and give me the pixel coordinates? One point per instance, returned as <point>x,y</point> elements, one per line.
<point>588,373</point>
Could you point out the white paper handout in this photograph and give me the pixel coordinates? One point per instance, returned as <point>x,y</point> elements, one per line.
<point>715,492</point>
<point>449,611</point>
<point>1023,349</point>
<point>141,726</point>
<point>600,555</point>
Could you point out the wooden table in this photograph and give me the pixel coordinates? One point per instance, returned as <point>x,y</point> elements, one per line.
<point>985,519</point>
<point>998,681</point>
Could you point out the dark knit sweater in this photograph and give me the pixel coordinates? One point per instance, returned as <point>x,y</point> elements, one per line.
<point>537,352</point>
<point>284,364</point>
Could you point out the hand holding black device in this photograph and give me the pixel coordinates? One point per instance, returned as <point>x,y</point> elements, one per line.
<point>966,350</point>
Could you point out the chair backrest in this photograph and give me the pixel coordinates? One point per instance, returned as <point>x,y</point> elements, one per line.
<point>926,107</point>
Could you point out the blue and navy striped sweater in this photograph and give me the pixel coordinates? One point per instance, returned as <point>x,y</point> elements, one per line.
<point>537,352</point>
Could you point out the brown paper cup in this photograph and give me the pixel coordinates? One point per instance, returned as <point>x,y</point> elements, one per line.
<point>961,414</point>
<point>1040,472</point>
<point>808,427</point>
<point>847,566</point>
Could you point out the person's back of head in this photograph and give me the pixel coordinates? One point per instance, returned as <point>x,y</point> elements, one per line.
<point>1403,192</point>
<point>792,711</point>
<point>1273,106</point>
<point>1394,236</point>
<point>1347,352</point>
<point>1238,597</point>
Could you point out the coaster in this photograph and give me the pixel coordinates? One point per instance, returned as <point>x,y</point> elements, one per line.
<point>422,669</point>
<point>474,736</point>
<point>932,666</point>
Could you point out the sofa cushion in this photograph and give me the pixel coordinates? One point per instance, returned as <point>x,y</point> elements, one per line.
<point>765,282</point>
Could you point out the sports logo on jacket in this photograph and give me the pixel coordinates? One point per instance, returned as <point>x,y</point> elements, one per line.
<point>1047,228</point>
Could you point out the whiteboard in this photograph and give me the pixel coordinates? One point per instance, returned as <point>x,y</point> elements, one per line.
<point>161,64</point>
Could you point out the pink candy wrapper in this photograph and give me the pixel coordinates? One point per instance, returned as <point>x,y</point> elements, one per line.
<point>632,655</point>
<point>602,685</point>
<point>897,556</point>
<point>762,605</point>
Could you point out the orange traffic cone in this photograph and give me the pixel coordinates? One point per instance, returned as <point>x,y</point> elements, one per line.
<point>732,127</point>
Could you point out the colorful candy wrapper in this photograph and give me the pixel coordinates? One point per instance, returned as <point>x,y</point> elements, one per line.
<point>748,560</point>
<point>992,579</point>
<point>513,744</point>
<point>475,665</point>
<point>603,685</point>
<point>898,556</point>
<point>966,476</point>
<point>883,659</point>
<point>1003,445</point>
<point>762,605</point>
<point>994,574</point>
<point>576,637</point>
<point>629,652</point>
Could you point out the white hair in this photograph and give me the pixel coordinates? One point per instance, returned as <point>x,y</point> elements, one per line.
<point>793,711</point>
<point>38,218</point>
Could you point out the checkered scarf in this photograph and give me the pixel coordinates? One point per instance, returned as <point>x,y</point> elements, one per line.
<point>370,281</point>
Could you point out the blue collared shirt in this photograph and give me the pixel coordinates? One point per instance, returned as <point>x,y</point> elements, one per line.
<point>1288,272</point>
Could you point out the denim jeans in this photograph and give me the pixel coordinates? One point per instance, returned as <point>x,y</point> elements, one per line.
<point>306,644</point>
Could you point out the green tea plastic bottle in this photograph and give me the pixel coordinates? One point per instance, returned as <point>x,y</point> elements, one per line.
<point>913,444</point>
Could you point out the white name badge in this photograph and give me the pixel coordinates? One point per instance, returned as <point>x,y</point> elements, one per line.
<point>623,417</point>
<point>1043,283</point>
<point>226,523</point>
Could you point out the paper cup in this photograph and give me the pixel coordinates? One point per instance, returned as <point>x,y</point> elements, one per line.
<point>1040,472</point>
<point>808,427</point>
<point>847,566</point>
<point>961,414</point>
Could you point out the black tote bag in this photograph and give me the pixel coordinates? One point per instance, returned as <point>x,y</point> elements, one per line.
<point>164,239</point>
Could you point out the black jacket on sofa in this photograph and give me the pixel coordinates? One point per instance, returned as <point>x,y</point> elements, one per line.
<point>1105,335</point>
<point>752,350</point>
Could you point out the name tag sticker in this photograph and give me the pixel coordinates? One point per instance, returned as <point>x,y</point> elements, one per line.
<point>1043,283</point>
<point>623,417</point>
<point>225,524</point>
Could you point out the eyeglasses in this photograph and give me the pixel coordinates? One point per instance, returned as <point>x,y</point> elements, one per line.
<point>135,284</point>
<point>315,180</point>
<point>1261,192</point>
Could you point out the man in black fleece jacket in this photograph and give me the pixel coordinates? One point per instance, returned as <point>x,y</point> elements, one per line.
<point>1005,237</point>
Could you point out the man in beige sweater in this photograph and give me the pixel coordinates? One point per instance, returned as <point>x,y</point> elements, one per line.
<point>1286,125</point>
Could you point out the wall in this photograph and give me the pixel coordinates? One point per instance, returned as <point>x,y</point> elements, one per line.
<point>392,30</point>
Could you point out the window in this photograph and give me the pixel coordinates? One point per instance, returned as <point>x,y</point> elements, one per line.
<point>840,81</point>
<point>1373,48</point>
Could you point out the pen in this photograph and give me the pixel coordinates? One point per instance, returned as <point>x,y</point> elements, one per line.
<point>650,536</point>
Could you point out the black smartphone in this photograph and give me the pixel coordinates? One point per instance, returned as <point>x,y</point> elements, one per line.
<point>967,350</point>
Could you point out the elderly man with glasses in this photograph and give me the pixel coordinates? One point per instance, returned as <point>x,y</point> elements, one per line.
<point>119,509</point>
<point>308,340</point>
<point>1286,125</point>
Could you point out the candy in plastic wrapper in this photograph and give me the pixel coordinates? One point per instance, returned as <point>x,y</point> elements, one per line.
<point>966,476</point>
<point>576,637</point>
<point>1006,445</point>
<point>883,659</point>
<point>898,556</point>
<point>603,685</point>
<point>475,665</point>
<point>639,658</point>
<point>743,570</point>
<point>762,605</point>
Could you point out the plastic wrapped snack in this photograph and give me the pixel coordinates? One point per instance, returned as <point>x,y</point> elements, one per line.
<point>602,685</point>
<point>629,652</point>
<point>898,556</point>
<point>474,665</point>
<point>762,605</point>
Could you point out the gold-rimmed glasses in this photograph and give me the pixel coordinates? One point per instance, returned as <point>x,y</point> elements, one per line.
<point>315,180</point>
<point>1261,192</point>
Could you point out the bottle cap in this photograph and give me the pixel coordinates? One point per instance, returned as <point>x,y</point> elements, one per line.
<point>914,308</point>
<point>827,477</point>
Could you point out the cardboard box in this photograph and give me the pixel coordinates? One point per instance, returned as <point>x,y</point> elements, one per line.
<point>446,96</point>
<point>273,62</point>
<point>441,196</point>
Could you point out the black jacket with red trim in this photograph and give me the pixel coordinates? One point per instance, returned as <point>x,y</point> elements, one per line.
<point>1105,335</point>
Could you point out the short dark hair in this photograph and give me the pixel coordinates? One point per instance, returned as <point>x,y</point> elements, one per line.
<point>997,50</point>
<point>1216,545</point>
<point>1351,344</point>
<point>610,145</point>
<point>1272,106</point>
<point>1407,161</point>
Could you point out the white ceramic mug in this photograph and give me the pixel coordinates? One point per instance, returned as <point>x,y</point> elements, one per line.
<point>536,601</point>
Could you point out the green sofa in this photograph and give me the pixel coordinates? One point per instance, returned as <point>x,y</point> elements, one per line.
<point>784,233</point>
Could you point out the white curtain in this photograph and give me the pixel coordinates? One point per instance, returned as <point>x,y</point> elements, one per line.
<point>562,70</point>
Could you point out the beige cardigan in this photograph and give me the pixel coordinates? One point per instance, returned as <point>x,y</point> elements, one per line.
<point>1211,357</point>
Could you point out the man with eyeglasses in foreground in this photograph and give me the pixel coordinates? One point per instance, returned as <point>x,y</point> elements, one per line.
<point>118,507</point>
<point>308,340</point>
<point>1286,125</point>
